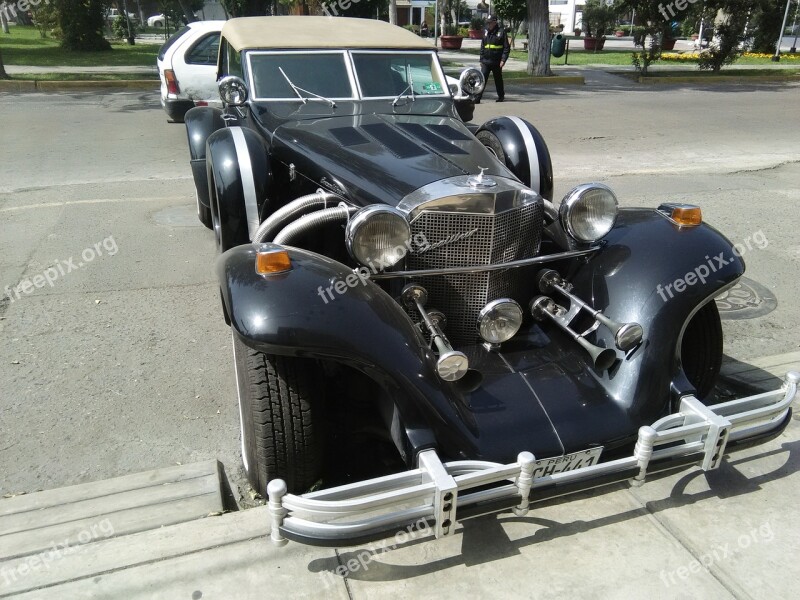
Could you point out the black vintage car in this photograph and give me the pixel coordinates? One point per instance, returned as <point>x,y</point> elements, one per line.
<point>385,260</point>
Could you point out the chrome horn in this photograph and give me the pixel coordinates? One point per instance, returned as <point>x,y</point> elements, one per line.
<point>626,335</point>
<point>452,365</point>
<point>543,307</point>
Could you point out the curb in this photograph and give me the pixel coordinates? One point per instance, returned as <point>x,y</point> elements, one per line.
<point>550,80</point>
<point>25,85</point>
<point>718,79</point>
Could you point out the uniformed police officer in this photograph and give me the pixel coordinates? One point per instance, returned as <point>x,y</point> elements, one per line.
<point>494,54</point>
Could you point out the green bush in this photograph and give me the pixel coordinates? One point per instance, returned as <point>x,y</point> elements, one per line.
<point>476,23</point>
<point>120,27</point>
<point>451,29</point>
<point>598,17</point>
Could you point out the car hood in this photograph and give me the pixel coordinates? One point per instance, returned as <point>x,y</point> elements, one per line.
<point>381,158</point>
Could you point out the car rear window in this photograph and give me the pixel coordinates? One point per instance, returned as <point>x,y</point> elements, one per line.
<point>171,42</point>
<point>205,51</point>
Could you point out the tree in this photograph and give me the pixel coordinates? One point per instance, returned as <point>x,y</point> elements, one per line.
<point>538,12</point>
<point>3,74</point>
<point>4,17</point>
<point>82,24</point>
<point>729,34</point>
<point>46,18</point>
<point>651,18</point>
<point>766,21</point>
<point>393,12</point>
<point>512,11</point>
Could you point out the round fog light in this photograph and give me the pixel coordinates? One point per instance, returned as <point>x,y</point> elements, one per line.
<point>499,320</point>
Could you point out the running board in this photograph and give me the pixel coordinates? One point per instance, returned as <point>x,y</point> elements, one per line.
<point>435,496</point>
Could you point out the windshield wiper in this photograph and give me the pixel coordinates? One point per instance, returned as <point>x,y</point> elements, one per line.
<point>297,91</point>
<point>409,87</point>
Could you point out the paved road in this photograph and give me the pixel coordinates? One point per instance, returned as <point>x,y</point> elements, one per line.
<point>123,364</point>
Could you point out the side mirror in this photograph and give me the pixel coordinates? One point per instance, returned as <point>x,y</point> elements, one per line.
<point>232,90</point>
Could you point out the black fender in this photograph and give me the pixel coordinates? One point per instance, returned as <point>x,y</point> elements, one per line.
<point>239,178</point>
<point>526,152</point>
<point>294,314</point>
<point>552,400</point>
<point>632,279</point>
<point>201,122</point>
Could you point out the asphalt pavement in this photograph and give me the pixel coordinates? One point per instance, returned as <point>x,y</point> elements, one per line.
<point>123,363</point>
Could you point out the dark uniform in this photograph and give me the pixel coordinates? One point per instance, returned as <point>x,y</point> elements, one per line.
<point>494,50</point>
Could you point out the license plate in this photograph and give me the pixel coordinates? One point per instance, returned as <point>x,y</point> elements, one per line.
<point>568,462</point>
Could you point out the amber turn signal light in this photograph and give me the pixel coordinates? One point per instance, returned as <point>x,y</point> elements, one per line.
<point>270,262</point>
<point>690,216</point>
<point>684,215</point>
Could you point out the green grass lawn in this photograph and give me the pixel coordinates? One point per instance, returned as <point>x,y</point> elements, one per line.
<point>623,57</point>
<point>24,46</point>
<point>788,73</point>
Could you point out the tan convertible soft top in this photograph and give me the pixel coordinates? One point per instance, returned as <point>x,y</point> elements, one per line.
<point>317,32</point>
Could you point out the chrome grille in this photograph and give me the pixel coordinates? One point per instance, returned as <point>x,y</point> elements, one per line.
<point>511,235</point>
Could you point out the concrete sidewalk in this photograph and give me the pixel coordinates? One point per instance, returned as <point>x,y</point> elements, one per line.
<point>725,534</point>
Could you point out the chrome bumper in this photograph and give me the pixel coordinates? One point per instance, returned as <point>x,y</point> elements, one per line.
<point>436,495</point>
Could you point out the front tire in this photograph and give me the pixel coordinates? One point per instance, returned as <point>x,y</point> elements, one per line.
<point>280,410</point>
<point>492,142</point>
<point>701,349</point>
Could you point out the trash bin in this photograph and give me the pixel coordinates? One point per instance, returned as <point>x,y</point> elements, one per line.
<point>558,45</point>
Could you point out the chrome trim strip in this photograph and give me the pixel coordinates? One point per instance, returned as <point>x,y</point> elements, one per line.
<point>248,182</point>
<point>530,146</point>
<point>536,260</point>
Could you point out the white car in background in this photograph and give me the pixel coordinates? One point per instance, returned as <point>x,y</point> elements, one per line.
<point>156,20</point>
<point>187,66</point>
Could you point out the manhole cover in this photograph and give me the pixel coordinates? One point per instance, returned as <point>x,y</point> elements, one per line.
<point>746,300</point>
<point>178,216</point>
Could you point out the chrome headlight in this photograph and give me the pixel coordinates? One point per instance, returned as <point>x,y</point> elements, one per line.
<point>589,212</point>
<point>499,320</point>
<point>378,236</point>
<point>472,81</point>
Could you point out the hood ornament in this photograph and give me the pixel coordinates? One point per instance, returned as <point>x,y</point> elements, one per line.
<point>481,182</point>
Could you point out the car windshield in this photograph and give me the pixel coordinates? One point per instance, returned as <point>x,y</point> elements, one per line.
<point>321,73</point>
<point>387,74</point>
